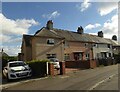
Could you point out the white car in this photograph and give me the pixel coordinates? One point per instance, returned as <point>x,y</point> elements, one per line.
<point>55,62</point>
<point>16,70</point>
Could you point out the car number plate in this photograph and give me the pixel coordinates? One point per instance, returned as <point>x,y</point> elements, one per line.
<point>23,73</point>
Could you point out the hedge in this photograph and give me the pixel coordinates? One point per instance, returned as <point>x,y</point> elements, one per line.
<point>39,67</point>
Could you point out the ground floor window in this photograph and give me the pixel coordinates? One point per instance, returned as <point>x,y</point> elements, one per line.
<point>110,55</point>
<point>87,56</point>
<point>78,56</point>
<point>104,54</point>
<point>51,56</point>
<point>66,57</point>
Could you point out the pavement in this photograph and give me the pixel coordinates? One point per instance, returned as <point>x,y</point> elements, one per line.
<point>90,79</point>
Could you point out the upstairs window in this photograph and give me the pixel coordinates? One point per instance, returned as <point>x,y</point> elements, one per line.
<point>50,41</point>
<point>95,45</point>
<point>86,44</point>
<point>66,45</point>
<point>51,56</point>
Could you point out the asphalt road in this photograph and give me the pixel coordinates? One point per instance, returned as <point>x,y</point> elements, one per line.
<point>90,79</point>
<point>110,84</point>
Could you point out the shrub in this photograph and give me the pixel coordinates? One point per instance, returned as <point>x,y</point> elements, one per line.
<point>117,58</point>
<point>6,59</point>
<point>39,67</point>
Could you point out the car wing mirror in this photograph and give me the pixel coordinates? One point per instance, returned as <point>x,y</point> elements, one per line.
<point>6,68</point>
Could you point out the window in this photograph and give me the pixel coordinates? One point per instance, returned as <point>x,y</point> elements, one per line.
<point>50,41</point>
<point>108,45</point>
<point>66,44</point>
<point>51,56</point>
<point>66,57</point>
<point>95,45</point>
<point>78,56</point>
<point>86,44</point>
<point>110,55</point>
<point>87,56</point>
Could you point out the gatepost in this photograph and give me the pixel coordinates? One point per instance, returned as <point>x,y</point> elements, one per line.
<point>51,68</point>
<point>62,68</point>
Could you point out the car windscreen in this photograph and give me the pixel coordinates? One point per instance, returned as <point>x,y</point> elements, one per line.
<point>53,59</point>
<point>17,64</point>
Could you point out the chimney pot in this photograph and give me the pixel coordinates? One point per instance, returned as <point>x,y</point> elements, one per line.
<point>49,25</point>
<point>100,34</point>
<point>80,30</point>
<point>114,37</point>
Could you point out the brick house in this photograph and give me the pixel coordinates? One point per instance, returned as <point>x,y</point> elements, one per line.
<point>49,42</point>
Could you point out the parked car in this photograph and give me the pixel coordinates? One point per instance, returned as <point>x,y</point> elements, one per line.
<point>16,70</point>
<point>55,62</point>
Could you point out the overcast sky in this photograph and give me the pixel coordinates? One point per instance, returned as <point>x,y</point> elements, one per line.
<point>26,18</point>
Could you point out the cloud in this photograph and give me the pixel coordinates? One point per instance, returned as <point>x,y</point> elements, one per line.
<point>12,31</point>
<point>11,50</point>
<point>52,15</point>
<point>110,27</point>
<point>85,5</point>
<point>15,27</point>
<point>4,38</point>
<point>106,8</point>
<point>91,26</point>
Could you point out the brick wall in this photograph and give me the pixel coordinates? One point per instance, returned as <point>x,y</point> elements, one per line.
<point>78,47</point>
<point>77,64</point>
<point>81,64</point>
<point>93,63</point>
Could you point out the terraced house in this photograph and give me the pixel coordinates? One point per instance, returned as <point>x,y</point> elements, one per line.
<point>49,42</point>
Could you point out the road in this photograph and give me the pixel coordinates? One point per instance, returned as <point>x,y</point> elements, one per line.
<point>110,84</point>
<point>90,79</point>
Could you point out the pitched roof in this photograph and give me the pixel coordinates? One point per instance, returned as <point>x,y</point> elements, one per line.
<point>47,33</point>
<point>115,43</point>
<point>72,36</point>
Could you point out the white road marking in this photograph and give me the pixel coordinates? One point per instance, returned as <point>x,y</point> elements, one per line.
<point>97,84</point>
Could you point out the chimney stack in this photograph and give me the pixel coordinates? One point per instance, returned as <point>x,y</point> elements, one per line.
<point>100,34</point>
<point>80,30</point>
<point>49,25</point>
<point>114,37</point>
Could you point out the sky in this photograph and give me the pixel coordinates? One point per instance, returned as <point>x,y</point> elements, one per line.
<point>18,18</point>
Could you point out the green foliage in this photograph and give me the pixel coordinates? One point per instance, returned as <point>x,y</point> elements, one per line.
<point>117,58</point>
<point>37,61</point>
<point>6,59</point>
<point>39,67</point>
<point>9,58</point>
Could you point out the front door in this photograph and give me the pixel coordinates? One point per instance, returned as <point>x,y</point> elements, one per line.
<point>78,56</point>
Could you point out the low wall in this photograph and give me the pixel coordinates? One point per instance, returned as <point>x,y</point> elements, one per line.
<point>106,62</point>
<point>86,64</point>
<point>77,64</point>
